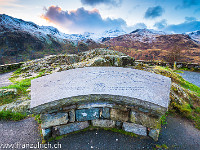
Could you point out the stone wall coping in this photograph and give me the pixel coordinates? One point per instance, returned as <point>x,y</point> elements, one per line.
<point>122,85</point>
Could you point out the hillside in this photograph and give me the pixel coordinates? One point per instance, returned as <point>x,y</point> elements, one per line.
<point>21,41</point>
<point>144,44</point>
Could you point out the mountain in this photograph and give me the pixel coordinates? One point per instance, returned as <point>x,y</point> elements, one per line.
<point>148,44</point>
<point>22,40</point>
<point>195,35</point>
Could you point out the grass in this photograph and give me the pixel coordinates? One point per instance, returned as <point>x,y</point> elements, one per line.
<point>9,115</point>
<point>178,71</point>
<point>163,146</point>
<point>163,119</point>
<point>21,87</point>
<point>190,106</point>
<point>178,79</point>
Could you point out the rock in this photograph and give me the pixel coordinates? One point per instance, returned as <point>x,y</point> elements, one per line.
<point>65,129</point>
<point>135,128</point>
<point>103,123</point>
<point>154,133</point>
<point>147,121</point>
<point>144,119</point>
<point>4,92</point>
<point>17,106</point>
<point>46,133</point>
<point>49,120</point>
<point>72,115</point>
<point>127,60</point>
<point>87,114</point>
<point>105,113</point>
<point>119,115</point>
<point>67,108</point>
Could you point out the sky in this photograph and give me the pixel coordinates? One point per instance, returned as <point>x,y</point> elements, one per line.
<point>79,16</point>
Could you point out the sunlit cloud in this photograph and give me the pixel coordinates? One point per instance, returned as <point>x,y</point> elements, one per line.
<point>81,20</point>
<point>9,3</point>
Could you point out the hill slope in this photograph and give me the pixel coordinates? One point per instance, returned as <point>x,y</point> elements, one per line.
<point>148,45</point>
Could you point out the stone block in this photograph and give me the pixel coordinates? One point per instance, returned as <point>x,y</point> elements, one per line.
<point>119,115</point>
<point>49,120</point>
<point>92,105</point>
<point>72,115</point>
<point>154,133</point>
<point>87,114</point>
<point>105,113</point>
<point>135,128</point>
<point>133,116</point>
<point>67,108</point>
<point>147,121</point>
<point>46,133</point>
<point>118,124</point>
<point>68,128</point>
<point>103,123</point>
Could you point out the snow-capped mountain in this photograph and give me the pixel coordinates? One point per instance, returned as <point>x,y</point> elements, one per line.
<point>8,23</point>
<point>195,35</point>
<point>99,36</point>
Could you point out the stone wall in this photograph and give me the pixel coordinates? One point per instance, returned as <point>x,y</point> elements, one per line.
<point>72,118</point>
<point>10,67</point>
<point>195,66</point>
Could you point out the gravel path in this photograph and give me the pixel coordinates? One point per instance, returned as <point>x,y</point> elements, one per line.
<point>4,79</point>
<point>20,132</point>
<point>177,134</point>
<point>193,77</point>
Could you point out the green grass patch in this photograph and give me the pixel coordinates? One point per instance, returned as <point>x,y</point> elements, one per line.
<point>37,118</point>
<point>163,146</point>
<point>21,87</point>
<point>121,131</point>
<point>9,115</point>
<point>163,119</point>
<point>178,71</point>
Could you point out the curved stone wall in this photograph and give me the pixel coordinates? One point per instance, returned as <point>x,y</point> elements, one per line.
<point>70,118</point>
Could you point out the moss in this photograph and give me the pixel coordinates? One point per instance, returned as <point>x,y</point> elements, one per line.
<point>92,128</point>
<point>163,146</point>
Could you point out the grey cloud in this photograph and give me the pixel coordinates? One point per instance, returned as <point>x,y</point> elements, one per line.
<point>154,12</point>
<point>188,4</point>
<point>81,20</point>
<point>97,2</point>
<point>161,24</point>
<point>189,19</point>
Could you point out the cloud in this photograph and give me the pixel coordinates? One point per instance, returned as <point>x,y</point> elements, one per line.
<point>134,27</point>
<point>9,3</point>
<point>97,2</point>
<point>190,25</point>
<point>189,19</point>
<point>161,24</point>
<point>154,12</point>
<point>81,20</point>
<point>184,27</point>
<point>188,4</point>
